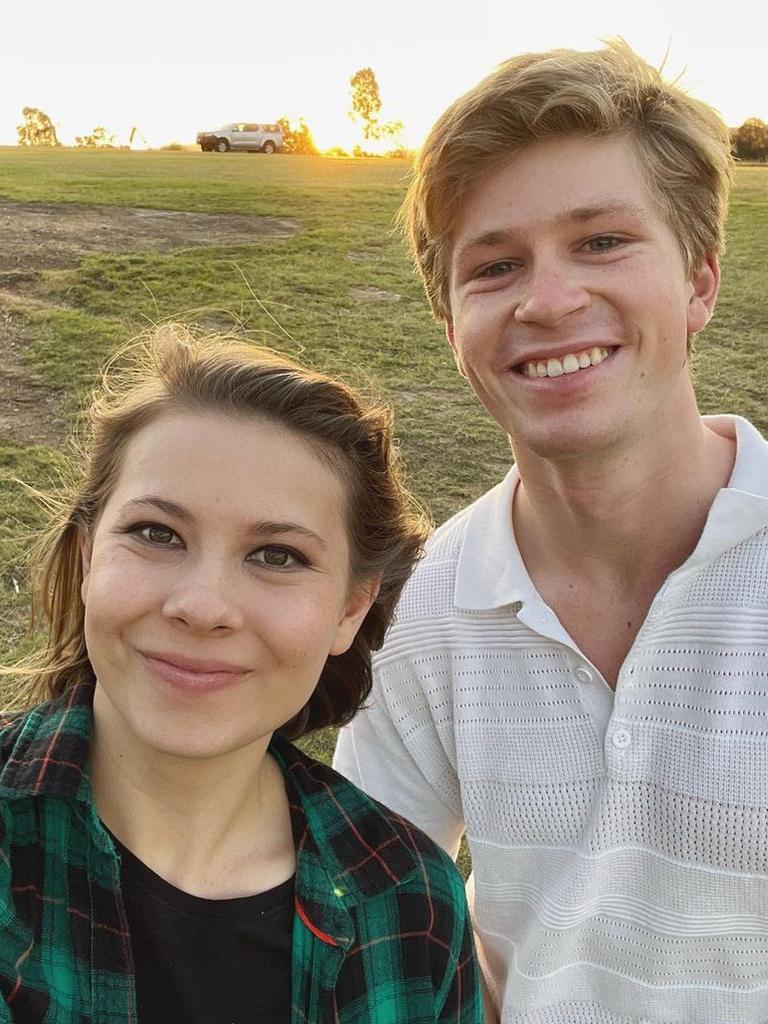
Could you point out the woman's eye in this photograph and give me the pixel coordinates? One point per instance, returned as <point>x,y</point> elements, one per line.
<point>154,533</point>
<point>277,557</point>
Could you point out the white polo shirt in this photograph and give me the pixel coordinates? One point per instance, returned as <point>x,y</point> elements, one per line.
<point>619,840</point>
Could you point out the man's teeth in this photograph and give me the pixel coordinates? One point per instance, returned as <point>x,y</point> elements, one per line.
<point>568,364</point>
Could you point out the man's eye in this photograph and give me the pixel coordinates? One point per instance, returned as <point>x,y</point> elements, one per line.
<point>603,243</point>
<point>275,556</point>
<point>154,533</point>
<point>497,269</point>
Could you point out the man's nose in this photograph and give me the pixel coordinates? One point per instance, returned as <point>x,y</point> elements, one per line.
<point>204,597</point>
<point>550,292</point>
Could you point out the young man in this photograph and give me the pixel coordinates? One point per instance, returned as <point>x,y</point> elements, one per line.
<point>578,676</point>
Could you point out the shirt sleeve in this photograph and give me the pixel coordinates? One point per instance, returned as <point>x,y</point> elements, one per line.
<point>415,778</point>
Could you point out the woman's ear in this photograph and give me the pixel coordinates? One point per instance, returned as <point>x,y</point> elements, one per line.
<point>86,550</point>
<point>359,602</point>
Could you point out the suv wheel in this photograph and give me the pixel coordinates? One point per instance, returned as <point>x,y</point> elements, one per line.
<point>269,146</point>
<point>222,146</point>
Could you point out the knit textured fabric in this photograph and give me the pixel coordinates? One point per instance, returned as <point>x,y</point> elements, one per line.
<point>619,841</point>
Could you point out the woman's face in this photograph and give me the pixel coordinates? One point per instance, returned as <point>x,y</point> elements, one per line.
<point>216,584</point>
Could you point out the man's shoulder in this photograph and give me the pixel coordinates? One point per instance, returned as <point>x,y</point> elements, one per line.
<point>430,590</point>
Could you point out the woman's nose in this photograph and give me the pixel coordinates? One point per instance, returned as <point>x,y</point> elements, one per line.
<point>204,598</point>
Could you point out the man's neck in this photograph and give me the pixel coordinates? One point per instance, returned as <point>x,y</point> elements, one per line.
<point>600,535</point>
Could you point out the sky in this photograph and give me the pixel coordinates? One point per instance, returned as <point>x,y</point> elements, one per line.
<point>171,68</point>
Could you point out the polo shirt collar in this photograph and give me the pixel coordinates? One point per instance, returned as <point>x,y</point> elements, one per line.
<point>739,510</point>
<point>490,572</point>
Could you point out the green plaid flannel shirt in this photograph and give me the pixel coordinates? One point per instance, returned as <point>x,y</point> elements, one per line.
<point>381,932</point>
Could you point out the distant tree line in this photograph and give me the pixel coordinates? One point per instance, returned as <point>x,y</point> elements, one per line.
<point>38,129</point>
<point>750,140</point>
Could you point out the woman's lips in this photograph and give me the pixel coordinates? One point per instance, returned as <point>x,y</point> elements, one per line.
<point>193,676</point>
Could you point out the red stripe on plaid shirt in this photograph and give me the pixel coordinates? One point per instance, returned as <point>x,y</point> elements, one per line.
<point>323,936</point>
<point>54,739</point>
<point>352,827</point>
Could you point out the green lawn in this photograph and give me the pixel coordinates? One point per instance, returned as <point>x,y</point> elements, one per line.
<point>302,294</point>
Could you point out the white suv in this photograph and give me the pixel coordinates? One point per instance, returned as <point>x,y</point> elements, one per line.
<point>252,138</point>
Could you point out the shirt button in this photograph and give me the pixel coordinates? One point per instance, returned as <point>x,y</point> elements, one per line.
<point>583,675</point>
<point>621,739</point>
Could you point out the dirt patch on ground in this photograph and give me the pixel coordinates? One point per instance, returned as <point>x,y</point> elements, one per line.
<point>30,411</point>
<point>55,236</point>
<point>43,236</point>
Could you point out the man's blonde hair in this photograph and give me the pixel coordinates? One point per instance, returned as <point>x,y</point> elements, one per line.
<point>682,143</point>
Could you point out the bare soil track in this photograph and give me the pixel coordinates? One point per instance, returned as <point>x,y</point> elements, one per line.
<point>55,236</point>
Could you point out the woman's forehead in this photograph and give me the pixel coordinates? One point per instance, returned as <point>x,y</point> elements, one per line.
<point>227,461</point>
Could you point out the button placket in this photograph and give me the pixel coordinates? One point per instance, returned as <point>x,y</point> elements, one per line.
<point>621,739</point>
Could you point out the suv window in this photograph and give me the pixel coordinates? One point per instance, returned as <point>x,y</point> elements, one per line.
<point>251,127</point>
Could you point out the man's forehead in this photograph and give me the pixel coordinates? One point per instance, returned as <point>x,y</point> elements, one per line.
<point>561,179</point>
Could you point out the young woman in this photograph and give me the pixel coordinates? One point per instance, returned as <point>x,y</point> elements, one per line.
<point>214,588</point>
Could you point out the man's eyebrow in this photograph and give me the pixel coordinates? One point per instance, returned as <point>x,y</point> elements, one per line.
<point>260,528</point>
<point>487,240</point>
<point>580,214</point>
<point>585,213</point>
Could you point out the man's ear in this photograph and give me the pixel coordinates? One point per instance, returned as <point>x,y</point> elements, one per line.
<point>359,602</point>
<point>705,283</point>
<point>86,550</point>
<point>451,336</point>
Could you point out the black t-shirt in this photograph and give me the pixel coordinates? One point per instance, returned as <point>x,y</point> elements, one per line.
<point>202,961</point>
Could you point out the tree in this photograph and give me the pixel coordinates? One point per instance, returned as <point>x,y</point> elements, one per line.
<point>297,138</point>
<point>366,107</point>
<point>750,140</point>
<point>98,139</point>
<point>37,130</point>
<point>366,102</point>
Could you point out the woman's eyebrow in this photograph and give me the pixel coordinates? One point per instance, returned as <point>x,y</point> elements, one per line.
<point>171,508</point>
<point>258,529</point>
<point>269,527</point>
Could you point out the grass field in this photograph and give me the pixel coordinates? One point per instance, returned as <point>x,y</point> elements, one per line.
<point>338,292</point>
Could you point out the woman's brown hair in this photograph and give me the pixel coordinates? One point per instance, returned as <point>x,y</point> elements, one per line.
<point>172,368</point>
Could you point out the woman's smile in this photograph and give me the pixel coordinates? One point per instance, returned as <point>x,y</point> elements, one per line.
<point>192,676</point>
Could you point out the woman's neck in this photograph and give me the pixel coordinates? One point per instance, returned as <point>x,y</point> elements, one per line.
<point>215,827</point>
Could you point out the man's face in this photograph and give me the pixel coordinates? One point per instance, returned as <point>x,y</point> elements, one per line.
<point>570,300</point>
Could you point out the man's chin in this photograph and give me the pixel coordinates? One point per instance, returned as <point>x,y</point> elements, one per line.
<point>567,444</point>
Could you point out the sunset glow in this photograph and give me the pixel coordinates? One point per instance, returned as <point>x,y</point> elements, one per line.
<point>171,69</point>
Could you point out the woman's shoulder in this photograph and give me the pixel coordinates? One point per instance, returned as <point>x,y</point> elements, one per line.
<point>45,748</point>
<point>355,829</point>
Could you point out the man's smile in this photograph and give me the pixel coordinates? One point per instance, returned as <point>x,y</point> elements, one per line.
<point>571,362</point>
